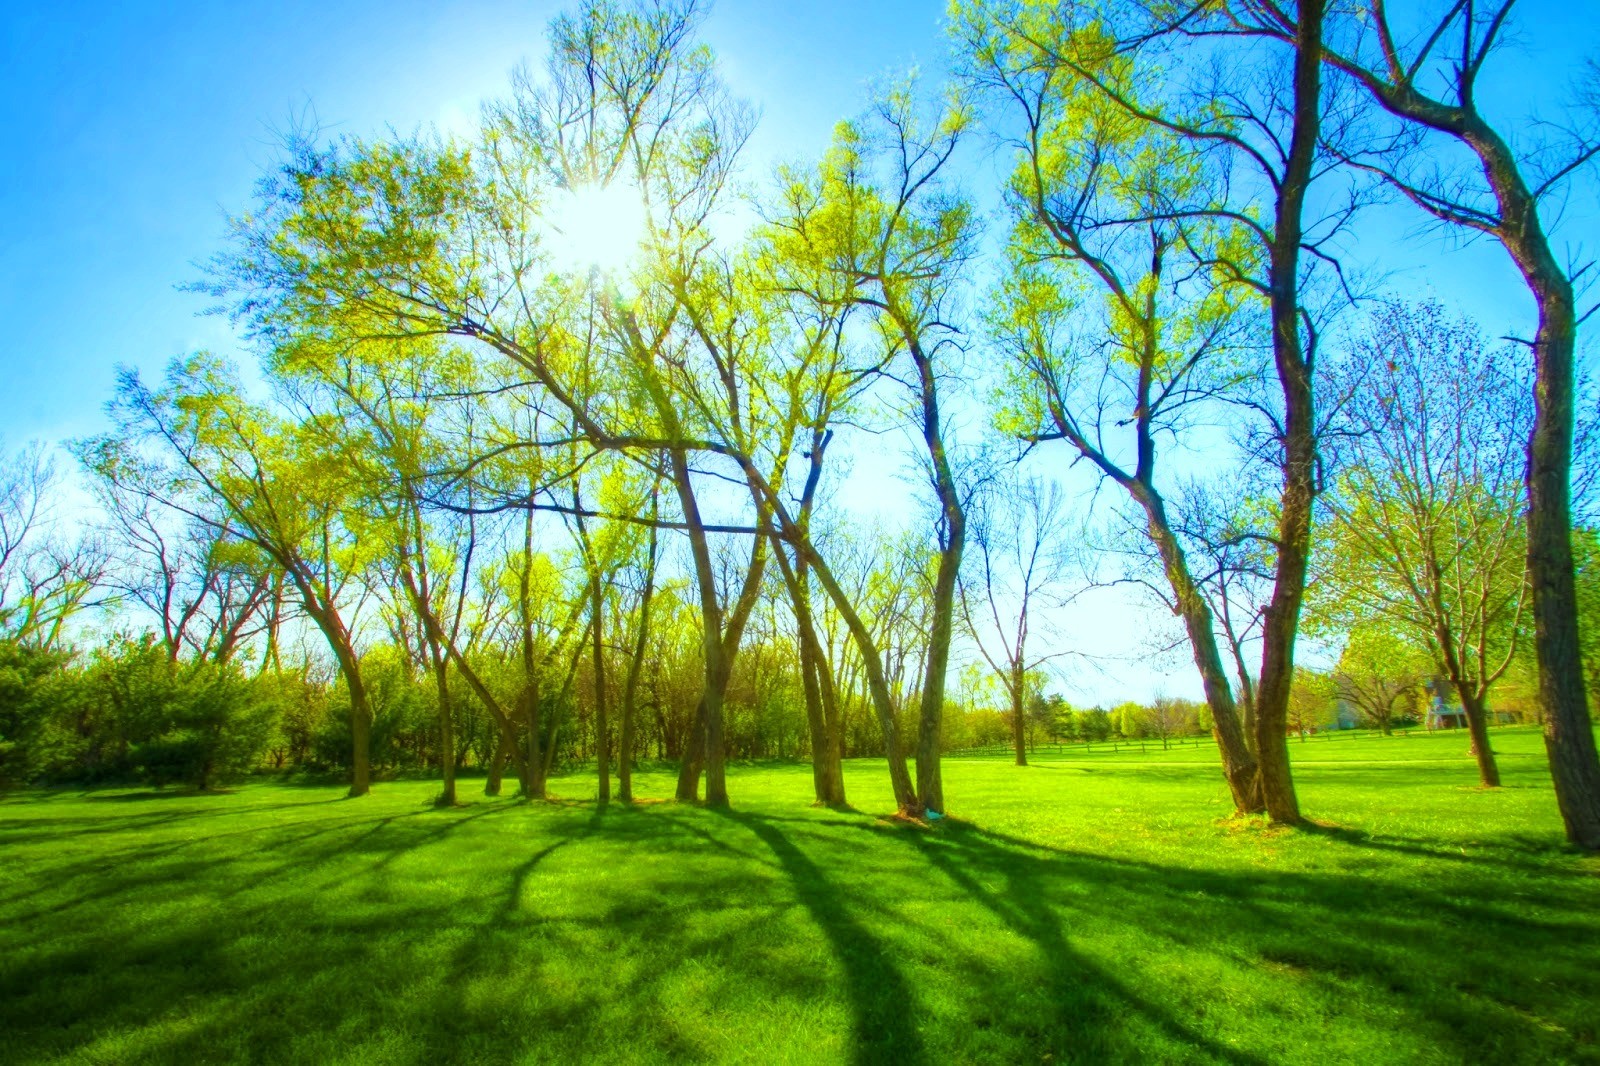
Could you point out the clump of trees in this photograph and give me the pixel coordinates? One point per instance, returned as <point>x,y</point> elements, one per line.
<point>509,492</point>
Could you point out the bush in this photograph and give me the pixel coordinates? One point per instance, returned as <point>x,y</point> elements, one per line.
<point>24,710</point>
<point>215,728</point>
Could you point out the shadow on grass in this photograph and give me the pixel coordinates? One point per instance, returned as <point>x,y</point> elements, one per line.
<point>323,931</point>
<point>882,1007</point>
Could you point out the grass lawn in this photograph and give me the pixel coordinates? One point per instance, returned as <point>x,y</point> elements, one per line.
<point>1086,908</point>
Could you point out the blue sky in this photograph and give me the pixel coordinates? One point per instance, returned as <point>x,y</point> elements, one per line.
<point>133,127</point>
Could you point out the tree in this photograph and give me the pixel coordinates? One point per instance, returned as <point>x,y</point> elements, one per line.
<point>1425,517</point>
<point>881,218</point>
<point>266,478</point>
<point>1378,673</point>
<point>1167,717</point>
<point>1109,222</point>
<point>1313,701</point>
<point>1021,567</point>
<point>45,579</point>
<point>1508,196</point>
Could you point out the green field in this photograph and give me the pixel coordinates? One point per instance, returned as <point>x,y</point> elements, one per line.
<point>1087,908</point>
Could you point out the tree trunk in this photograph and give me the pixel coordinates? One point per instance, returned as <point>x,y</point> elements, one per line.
<point>630,688</point>
<point>1018,737</point>
<point>1282,616</point>
<point>360,709</point>
<point>1563,709</point>
<point>692,760</point>
<point>1568,728</point>
<point>905,793</point>
<point>497,767</point>
<point>361,741</point>
<point>1239,766</point>
<point>716,674</point>
<point>447,735</point>
<point>827,775</point>
<point>953,536</point>
<point>1478,726</point>
<point>533,778</point>
<point>602,724</point>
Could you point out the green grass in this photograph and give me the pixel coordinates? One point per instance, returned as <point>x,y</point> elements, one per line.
<point>1087,908</point>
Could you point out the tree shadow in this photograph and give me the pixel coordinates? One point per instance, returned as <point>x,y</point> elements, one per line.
<point>500,930</point>
<point>882,1007</point>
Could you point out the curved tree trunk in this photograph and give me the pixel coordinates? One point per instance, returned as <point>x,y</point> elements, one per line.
<point>1568,728</point>
<point>1563,708</point>
<point>709,732</point>
<point>1478,726</point>
<point>1239,765</point>
<point>905,793</point>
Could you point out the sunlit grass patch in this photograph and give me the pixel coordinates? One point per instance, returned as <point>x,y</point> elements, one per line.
<point>1065,912</point>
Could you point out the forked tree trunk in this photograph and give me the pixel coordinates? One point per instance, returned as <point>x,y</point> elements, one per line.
<point>905,793</point>
<point>709,731</point>
<point>827,774</point>
<point>692,761</point>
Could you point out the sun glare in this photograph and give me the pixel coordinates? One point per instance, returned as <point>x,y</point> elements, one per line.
<point>598,227</point>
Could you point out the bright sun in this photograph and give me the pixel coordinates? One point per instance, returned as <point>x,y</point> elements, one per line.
<point>597,227</point>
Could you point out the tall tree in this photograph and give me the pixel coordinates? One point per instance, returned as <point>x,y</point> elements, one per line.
<point>1429,82</point>
<point>265,477</point>
<point>1253,134</point>
<point>1425,515</point>
<point>1021,560</point>
<point>45,578</point>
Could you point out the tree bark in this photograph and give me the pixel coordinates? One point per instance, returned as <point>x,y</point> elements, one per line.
<point>533,760</point>
<point>1018,733</point>
<point>1568,728</point>
<point>497,766</point>
<point>602,724</point>
<point>716,673</point>
<point>905,793</point>
<point>827,774</point>
<point>930,779</point>
<point>360,736</point>
<point>1478,726</point>
<point>1239,765</point>
<point>1282,616</point>
<point>630,688</point>
<point>447,735</point>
